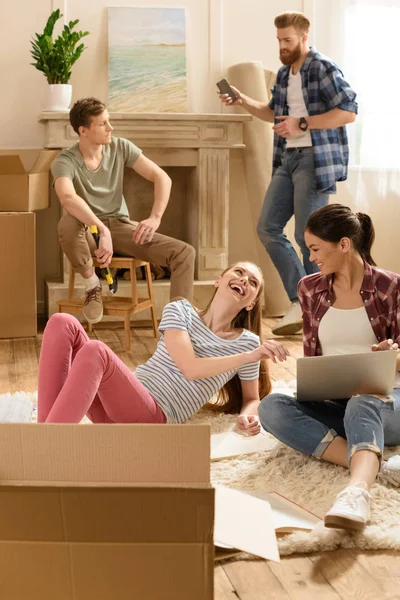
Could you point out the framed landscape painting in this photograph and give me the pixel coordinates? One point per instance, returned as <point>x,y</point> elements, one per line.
<point>147,60</point>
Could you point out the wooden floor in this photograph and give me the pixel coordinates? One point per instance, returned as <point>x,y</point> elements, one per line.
<point>346,574</point>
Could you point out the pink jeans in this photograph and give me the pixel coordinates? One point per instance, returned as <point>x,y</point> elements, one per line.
<point>79,377</point>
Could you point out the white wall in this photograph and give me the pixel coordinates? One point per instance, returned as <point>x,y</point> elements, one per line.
<point>371,189</point>
<point>22,87</point>
<point>248,31</point>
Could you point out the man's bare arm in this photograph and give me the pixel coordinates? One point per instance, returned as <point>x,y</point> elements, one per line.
<point>78,208</point>
<point>74,204</point>
<point>337,117</point>
<point>162,183</point>
<point>261,110</point>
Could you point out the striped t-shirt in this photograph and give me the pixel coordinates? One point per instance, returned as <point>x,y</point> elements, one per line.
<point>178,397</point>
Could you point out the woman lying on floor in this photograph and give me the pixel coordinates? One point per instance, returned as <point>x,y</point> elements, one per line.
<point>349,307</point>
<point>199,354</point>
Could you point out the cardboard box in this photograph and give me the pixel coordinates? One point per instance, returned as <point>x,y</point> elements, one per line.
<point>106,511</point>
<point>18,275</point>
<point>24,179</point>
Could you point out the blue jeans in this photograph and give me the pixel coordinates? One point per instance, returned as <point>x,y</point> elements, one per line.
<point>292,191</point>
<point>366,422</point>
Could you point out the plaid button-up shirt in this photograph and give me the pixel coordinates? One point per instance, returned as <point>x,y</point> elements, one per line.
<point>324,88</point>
<point>380,291</point>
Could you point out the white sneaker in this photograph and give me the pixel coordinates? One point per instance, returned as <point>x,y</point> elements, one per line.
<point>291,323</point>
<point>390,471</point>
<point>351,509</point>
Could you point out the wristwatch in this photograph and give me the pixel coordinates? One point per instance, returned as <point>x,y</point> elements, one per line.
<point>303,125</point>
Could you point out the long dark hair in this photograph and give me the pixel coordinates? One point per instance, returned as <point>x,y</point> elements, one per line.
<point>335,221</point>
<point>229,399</point>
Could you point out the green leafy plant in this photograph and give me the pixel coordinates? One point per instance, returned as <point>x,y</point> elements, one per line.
<point>56,57</point>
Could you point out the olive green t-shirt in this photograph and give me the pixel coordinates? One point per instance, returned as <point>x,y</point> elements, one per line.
<point>102,188</point>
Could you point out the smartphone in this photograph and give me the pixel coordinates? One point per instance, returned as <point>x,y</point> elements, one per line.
<point>225,88</point>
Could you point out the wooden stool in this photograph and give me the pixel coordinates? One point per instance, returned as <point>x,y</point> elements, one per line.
<point>117,306</point>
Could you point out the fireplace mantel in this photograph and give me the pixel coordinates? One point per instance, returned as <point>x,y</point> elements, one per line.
<point>199,141</point>
<point>157,130</point>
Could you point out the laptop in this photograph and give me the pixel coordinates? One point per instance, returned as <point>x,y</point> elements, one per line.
<point>344,375</point>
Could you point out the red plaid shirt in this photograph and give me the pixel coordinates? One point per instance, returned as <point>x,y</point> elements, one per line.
<point>380,291</point>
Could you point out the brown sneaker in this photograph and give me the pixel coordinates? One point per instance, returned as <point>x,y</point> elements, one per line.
<point>93,305</point>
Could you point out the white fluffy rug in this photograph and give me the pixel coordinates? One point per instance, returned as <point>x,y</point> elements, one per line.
<point>312,484</point>
<point>308,482</point>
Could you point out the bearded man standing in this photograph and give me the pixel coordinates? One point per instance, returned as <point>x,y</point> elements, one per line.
<point>310,105</point>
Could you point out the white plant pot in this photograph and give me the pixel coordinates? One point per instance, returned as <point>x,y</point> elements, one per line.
<point>58,96</point>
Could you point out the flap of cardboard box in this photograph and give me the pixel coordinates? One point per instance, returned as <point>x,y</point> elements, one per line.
<point>114,455</point>
<point>22,161</point>
<point>43,161</point>
<point>106,515</point>
<point>11,165</point>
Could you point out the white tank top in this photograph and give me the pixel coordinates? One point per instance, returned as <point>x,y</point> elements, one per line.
<point>347,332</point>
<point>297,108</point>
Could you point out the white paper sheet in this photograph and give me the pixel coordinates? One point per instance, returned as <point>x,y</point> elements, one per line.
<point>231,443</point>
<point>244,522</point>
<point>287,516</point>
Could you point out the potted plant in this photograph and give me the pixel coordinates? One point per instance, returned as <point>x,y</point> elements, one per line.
<point>55,59</point>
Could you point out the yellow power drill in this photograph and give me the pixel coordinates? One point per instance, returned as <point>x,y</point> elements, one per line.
<point>112,283</point>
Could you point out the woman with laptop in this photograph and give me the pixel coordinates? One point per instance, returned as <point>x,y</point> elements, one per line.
<point>349,307</point>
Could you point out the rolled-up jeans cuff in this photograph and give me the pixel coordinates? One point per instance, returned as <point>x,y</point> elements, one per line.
<point>324,443</point>
<point>366,446</point>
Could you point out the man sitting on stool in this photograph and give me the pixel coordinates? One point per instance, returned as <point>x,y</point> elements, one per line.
<point>88,179</point>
